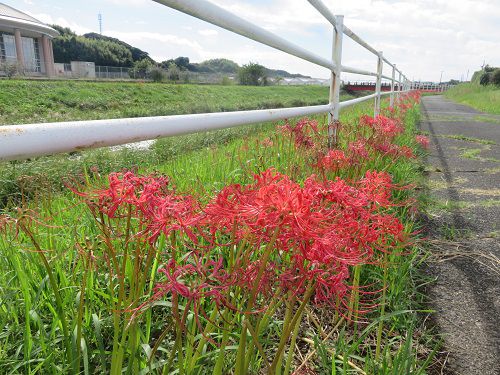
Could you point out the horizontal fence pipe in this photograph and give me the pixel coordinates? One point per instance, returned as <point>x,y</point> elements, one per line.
<point>388,62</point>
<point>323,9</point>
<point>351,34</point>
<point>348,69</point>
<point>216,15</point>
<point>348,103</point>
<point>30,140</point>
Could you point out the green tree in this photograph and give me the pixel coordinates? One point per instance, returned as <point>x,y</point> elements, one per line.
<point>495,77</point>
<point>252,74</point>
<point>485,79</point>
<point>173,72</point>
<point>157,74</point>
<point>141,69</point>
<point>218,66</point>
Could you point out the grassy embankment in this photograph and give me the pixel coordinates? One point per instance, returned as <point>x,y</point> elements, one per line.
<point>28,101</point>
<point>24,101</point>
<point>60,288</point>
<point>482,98</point>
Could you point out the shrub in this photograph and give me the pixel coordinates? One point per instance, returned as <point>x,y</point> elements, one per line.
<point>10,69</point>
<point>141,69</point>
<point>157,75</point>
<point>252,74</point>
<point>226,81</point>
<point>173,72</point>
<point>485,79</point>
<point>495,77</point>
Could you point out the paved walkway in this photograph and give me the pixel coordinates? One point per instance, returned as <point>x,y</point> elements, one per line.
<point>464,231</point>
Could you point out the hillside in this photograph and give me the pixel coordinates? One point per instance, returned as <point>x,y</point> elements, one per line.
<point>108,51</point>
<point>69,46</point>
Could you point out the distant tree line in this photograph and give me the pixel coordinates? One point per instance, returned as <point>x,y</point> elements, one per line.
<point>107,51</point>
<point>489,76</point>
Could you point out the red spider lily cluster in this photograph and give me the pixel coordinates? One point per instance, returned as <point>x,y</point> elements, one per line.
<point>272,242</point>
<point>311,233</point>
<point>271,234</point>
<point>376,137</point>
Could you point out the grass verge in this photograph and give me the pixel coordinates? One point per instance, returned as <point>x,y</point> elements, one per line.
<point>482,98</point>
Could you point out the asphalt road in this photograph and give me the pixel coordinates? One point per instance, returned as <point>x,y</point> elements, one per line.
<point>463,227</point>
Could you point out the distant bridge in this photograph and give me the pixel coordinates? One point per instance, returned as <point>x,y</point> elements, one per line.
<point>371,86</point>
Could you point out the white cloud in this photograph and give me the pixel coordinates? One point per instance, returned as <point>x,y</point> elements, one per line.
<point>208,32</point>
<point>61,21</point>
<point>128,2</point>
<point>423,37</point>
<point>138,37</point>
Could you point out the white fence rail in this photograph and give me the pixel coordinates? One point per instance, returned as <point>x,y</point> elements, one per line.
<point>25,141</point>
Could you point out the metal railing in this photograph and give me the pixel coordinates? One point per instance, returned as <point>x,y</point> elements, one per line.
<point>113,72</point>
<point>432,87</point>
<point>25,141</point>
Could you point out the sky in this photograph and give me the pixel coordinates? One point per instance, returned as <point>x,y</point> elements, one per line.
<point>428,40</point>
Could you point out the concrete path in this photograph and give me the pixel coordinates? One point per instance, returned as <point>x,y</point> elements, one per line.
<point>464,232</point>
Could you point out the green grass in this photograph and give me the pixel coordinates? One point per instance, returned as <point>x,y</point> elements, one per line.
<point>35,339</point>
<point>482,98</point>
<point>29,101</point>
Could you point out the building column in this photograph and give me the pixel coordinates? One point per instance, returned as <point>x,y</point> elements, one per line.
<point>47,56</point>
<point>19,49</point>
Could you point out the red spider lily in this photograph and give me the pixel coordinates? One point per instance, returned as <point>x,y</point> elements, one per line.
<point>357,150</point>
<point>267,142</point>
<point>125,189</point>
<point>386,148</point>
<point>384,128</point>
<point>334,161</point>
<point>172,213</point>
<point>301,132</point>
<point>422,140</point>
<point>406,152</point>
<point>377,186</point>
<point>391,149</point>
<point>197,278</point>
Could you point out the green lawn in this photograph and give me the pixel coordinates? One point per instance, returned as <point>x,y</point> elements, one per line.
<point>30,101</point>
<point>482,98</point>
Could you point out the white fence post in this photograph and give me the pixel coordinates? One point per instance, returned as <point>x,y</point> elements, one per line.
<point>400,85</point>
<point>379,84</point>
<point>333,115</point>
<point>392,84</point>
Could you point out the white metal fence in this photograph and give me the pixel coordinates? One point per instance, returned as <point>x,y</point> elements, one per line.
<point>25,141</point>
<point>429,86</point>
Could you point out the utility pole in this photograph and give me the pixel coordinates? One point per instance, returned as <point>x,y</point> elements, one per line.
<point>441,78</point>
<point>99,18</point>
